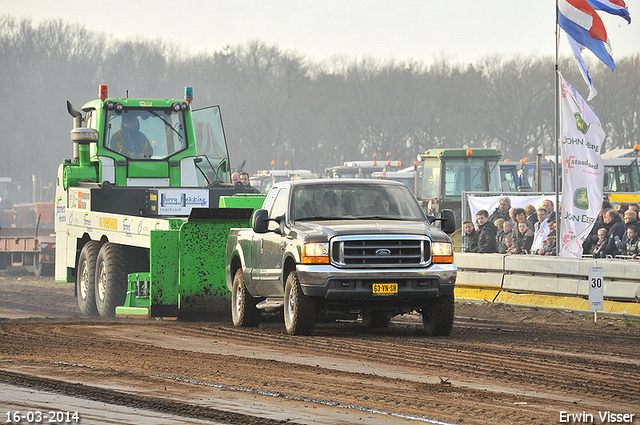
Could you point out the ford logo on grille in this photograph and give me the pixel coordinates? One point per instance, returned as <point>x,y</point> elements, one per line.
<point>383,251</point>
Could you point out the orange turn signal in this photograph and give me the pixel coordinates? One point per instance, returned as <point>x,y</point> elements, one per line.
<point>442,259</point>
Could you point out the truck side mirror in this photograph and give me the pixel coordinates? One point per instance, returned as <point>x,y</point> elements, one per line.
<point>448,221</point>
<point>261,221</point>
<point>281,222</point>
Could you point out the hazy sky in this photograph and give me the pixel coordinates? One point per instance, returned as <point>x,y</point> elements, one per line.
<point>464,30</point>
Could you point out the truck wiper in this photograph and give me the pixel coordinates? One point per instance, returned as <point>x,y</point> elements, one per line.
<point>319,218</point>
<point>382,217</point>
<point>167,123</point>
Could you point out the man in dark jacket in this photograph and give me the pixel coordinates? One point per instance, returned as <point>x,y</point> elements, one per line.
<point>504,204</point>
<point>615,233</point>
<point>244,178</point>
<point>486,233</point>
<point>547,204</point>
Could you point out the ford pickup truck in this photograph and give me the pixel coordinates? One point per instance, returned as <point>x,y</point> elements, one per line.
<point>344,247</point>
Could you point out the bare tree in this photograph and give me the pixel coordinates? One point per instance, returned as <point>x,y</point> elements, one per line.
<point>279,107</point>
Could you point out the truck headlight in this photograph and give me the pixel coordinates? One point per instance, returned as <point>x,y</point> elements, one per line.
<point>441,252</point>
<point>315,253</point>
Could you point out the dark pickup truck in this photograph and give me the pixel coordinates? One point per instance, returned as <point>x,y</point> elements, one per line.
<point>338,248</point>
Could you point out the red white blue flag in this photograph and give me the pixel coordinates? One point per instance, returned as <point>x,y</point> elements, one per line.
<point>577,54</point>
<point>580,21</point>
<point>614,7</point>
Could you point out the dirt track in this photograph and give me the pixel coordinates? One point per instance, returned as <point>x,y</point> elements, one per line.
<point>501,365</point>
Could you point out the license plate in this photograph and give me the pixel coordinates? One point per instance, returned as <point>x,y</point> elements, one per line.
<point>385,288</point>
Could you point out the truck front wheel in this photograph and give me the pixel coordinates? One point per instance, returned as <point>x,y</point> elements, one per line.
<point>85,278</point>
<point>243,306</point>
<point>299,310</point>
<point>111,279</point>
<point>437,316</point>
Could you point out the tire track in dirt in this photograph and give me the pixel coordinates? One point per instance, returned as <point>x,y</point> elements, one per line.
<point>525,365</point>
<point>562,371</point>
<point>136,401</point>
<point>398,397</point>
<point>529,367</point>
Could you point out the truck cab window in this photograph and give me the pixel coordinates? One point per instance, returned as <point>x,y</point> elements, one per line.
<point>279,207</point>
<point>280,204</point>
<point>145,133</point>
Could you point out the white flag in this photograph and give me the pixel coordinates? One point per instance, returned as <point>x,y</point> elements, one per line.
<point>540,235</point>
<point>582,137</point>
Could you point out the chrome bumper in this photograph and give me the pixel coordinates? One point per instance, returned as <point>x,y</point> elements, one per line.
<point>330,282</point>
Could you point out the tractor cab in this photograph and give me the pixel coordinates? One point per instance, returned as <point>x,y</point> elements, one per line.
<point>147,156</point>
<point>446,173</point>
<point>155,142</point>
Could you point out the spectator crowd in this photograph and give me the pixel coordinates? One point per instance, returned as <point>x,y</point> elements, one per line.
<point>615,233</point>
<point>528,230</point>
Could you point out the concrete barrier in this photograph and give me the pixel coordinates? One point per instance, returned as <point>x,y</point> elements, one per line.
<point>547,281</point>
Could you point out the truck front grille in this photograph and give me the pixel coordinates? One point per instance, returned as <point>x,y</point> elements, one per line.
<point>380,251</point>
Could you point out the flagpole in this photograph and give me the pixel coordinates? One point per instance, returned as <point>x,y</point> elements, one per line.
<point>557,137</point>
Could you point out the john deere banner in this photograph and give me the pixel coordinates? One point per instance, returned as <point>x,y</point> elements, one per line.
<point>582,137</point>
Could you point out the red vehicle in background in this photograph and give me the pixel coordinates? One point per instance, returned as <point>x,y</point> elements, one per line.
<point>26,232</point>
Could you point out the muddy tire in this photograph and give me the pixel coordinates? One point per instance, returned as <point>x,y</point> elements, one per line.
<point>85,278</point>
<point>243,306</point>
<point>299,310</point>
<point>437,316</point>
<point>111,279</point>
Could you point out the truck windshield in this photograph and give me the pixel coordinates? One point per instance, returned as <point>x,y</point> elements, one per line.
<point>470,175</point>
<point>355,201</point>
<point>508,178</point>
<point>145,133</point>
<point>546,185</point>
<point>622,178</point>
<point>430,179</point>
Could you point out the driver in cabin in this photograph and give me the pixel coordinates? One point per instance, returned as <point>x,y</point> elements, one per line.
<point>129,140</point>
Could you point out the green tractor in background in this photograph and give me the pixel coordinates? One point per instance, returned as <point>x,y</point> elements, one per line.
<point>446,173</point>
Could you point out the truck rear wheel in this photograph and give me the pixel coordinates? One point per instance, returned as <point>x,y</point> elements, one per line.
<point>243,306</point>
<point>85,278</point>
<point>111,279</point>
<point>437,316</point>
<point>299,310</point>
